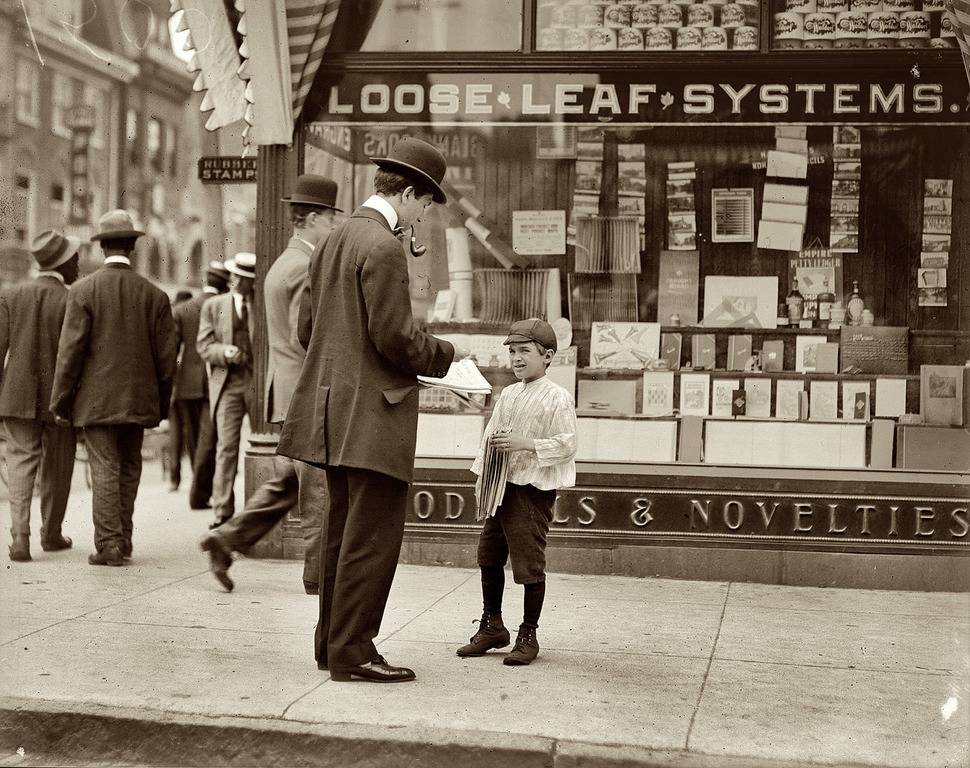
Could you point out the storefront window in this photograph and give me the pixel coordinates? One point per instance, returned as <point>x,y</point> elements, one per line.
<point>829,24</point>
<point>566,25</point>
<point>712,251</point>
<point>428,26</point>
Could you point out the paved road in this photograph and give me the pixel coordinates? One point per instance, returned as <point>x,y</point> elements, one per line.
<point>650,671</point>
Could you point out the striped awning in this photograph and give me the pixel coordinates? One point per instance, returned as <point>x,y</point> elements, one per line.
<point>264,80</point>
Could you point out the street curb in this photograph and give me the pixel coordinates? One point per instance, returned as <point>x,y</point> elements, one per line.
<point>85,734</point>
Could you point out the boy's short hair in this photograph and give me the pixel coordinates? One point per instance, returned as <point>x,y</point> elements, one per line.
<point>391,183</point>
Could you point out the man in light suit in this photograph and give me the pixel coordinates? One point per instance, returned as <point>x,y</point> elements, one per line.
<point>31,315</point>
<point>355,407</point>
<point>115,364</point>
<point>225,343</point>
<point>312,210</point>
<point>190,397</point>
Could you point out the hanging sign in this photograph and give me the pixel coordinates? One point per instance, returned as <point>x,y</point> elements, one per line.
<point>227,170</point>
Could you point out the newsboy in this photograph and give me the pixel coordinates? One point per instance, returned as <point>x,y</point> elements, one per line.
<point>31,315</point>
<point>355,407</point>
<point>115,365</point>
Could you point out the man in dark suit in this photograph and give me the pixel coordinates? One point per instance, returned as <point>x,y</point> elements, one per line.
<point>312,210</point>
<point>190,395</point>
<point>115,364</point>
<point>225,343</point>
<point>179,431</point>
<point>355,408</point>
<point>31,315</point>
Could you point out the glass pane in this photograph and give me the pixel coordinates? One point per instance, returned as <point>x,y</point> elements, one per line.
<point>428,25</point>
<point>568,25</point>
<point>824,24</point>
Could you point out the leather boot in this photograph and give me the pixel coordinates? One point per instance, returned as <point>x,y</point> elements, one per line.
<point>20,549</point>
<point>526,647</point>
<point>491,634</point>
<point>109,555</point>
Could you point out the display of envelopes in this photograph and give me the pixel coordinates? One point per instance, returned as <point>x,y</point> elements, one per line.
<point>742,302</point>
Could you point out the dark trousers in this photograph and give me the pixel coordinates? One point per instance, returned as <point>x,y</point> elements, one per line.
<point>33,445</point>
<point>114,453</point>
<point>203,460</point>
<point>359,546</point>
<point>293,483</point>
<point>183,434</point>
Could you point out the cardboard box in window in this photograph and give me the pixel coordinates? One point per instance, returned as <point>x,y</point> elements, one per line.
<point>875,349</point>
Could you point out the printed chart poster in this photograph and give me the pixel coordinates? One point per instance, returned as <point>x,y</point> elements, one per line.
<point>678,286</point>
<point>539,233</point>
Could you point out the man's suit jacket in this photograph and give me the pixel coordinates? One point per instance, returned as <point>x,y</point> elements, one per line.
<point>190,378</point>
<point>356,401</point>
<point>215,333</point>
<point>116,357</point>
<point>282,292</point>
<point>31,315</point>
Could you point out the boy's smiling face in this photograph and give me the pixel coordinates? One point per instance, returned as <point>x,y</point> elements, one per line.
<point>528,361</point>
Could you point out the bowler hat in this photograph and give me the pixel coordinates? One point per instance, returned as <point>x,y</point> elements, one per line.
<point>50,249</point>
<point>116,225</point>
<point>313,190</point>
<point>243,265</point>
<point>533,329</point>
<point>414,157</point>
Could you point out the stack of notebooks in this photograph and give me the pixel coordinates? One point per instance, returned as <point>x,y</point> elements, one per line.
<point>608,244</point>
<point>510,295</point>
<point>490,487</point>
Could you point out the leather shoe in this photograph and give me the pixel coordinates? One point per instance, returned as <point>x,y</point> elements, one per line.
<point>376,671</point>
<point>56,544</point>
<point>20,549</point>
<point>110,555</point>
<point>220,558</point>
<point>311,587</point>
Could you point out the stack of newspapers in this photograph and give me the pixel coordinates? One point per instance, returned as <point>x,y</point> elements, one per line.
<point>490,486</point>
<point>463,379</point>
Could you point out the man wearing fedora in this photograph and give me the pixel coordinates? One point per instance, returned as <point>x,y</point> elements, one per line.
<point>312,214</point>
<point>225,343</point>
<point>115,364</point>
<point>355,407</point>
<point>31,315</point>
<point>190,395</point>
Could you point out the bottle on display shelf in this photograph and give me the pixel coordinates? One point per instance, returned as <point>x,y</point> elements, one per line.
<point>810,311</point>
<point>855,305</point>
<point>795,303</point>
<point>825,301</point>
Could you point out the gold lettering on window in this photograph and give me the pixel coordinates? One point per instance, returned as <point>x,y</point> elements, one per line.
<point>640,516</point>
<point>924,514</point>
<point>802,510</point>
<point>766,516</point>
<point>833,527</point>
<point>423,504</point>
<point>963,522</point>
<point>453,512</point>
<point>704,512</point>
<point>733,512</point>
<point>587,512</point>
<point>865,509</point>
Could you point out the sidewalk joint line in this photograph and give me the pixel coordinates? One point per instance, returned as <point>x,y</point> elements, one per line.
<point>707,672</point>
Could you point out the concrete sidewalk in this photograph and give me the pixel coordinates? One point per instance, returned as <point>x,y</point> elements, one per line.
<point>154,664</point>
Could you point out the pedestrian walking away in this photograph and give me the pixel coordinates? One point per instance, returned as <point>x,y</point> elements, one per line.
<point>115,365</point>
<point>225,343</point>
<point>355,407</point>
<point>534,425</point>
<point>312,211</point>
<point>190,395</point>
<point>179,428</point>
<point>31,315</point>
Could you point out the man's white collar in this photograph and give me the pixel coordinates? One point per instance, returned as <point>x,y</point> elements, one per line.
<point>52,273</point>
<point>383,207</point>
<point>118,260</point>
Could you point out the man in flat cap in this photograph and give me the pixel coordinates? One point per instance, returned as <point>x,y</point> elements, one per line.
<point>190,396</point>
<point>312,211</point>
<point>355,407</point>
<point>31,315</point>
<point>115,365</point>
<point>225,343</point>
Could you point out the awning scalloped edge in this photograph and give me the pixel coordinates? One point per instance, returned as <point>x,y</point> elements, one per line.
<point>245,73</point>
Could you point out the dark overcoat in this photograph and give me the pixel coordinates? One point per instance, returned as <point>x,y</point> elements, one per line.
<point>282,292</point>
<point>31,315</point>
<point>116,356</point>
<point>190,378</point>
<point>356,401</point>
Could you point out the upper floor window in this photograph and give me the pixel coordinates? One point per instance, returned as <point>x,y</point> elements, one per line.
<point>28,92</point>
<point>153,143</point>
<point>62,102</point>
<point>23,207</point>
<point>131,136</point>
<point>171,154</point>
<point>97,99</point>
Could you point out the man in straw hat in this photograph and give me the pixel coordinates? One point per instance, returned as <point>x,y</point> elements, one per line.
<point>312,212</point>
<point>115,364</point>
<point>355,407</point>
<point>190,395</point>
<point>225,343</point>
<point>31,315</point>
